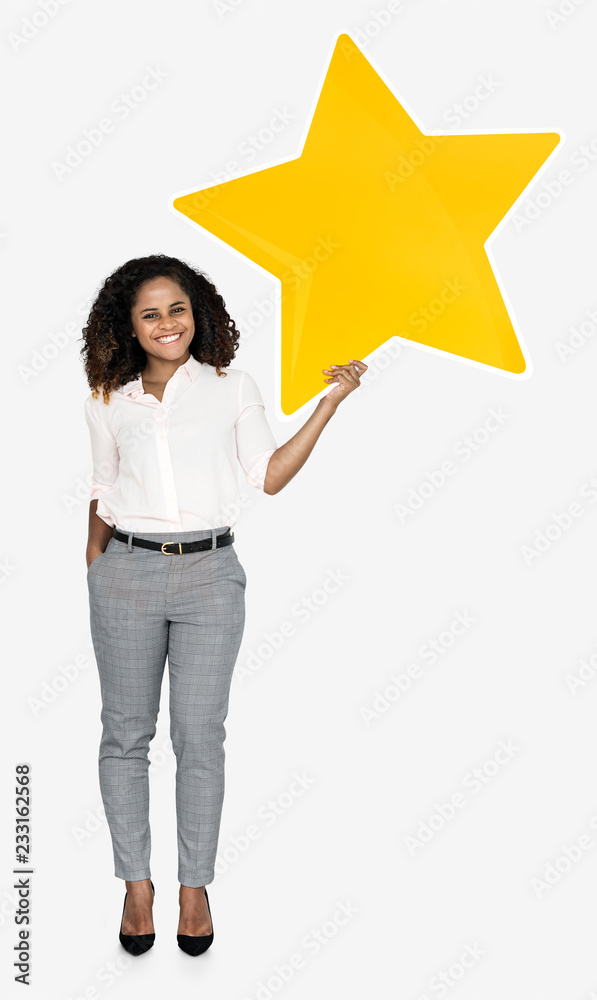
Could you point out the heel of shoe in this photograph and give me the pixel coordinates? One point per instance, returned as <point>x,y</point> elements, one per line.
<point>135,944</point>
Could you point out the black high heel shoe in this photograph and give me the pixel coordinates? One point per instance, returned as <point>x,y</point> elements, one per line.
<point>196,944</point>
<point>136,944</point>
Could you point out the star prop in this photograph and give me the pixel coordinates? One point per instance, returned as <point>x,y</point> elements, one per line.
<point>377,230</point>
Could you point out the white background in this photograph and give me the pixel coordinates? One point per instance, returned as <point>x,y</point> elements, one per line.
<point>476,883</point>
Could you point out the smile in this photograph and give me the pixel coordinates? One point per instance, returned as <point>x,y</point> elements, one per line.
<point>169,339</point>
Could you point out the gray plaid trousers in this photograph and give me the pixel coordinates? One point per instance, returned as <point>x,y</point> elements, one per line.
<point>146,606</point>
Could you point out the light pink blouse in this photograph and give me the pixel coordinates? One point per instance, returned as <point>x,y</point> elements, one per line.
<point>173,465</point>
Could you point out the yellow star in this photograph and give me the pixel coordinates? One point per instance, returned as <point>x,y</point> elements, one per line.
<point>377,230</point>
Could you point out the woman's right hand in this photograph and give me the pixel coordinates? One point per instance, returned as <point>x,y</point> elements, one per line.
<point>92,554</point>
<point>99,534</point>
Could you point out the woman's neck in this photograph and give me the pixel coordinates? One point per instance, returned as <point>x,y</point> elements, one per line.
<point>160,370</point>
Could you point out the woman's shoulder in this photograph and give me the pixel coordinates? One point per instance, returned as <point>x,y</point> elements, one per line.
<point>227,375</point>
<point>239,376</point>
<point>231,379</point>
<point>95,399</point>
<point>96,406</point>
<point>239,387</point>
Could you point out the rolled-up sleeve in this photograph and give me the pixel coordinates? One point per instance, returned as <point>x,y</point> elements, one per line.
<point>104,450</point>
<point>255,442</point>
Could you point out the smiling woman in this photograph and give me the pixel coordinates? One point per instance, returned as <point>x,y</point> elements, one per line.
<point>167,324</point>
<point>169,428</point>
<point>147,298</point>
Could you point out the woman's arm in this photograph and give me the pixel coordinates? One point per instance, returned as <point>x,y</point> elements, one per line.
<point>105,458</point>
<point>99,535</point>
<point>292,455</point>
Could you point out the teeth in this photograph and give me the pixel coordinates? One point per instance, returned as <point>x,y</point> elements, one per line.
<point>168,340</point>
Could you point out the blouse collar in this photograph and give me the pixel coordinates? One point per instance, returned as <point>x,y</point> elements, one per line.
<point>190,369</point>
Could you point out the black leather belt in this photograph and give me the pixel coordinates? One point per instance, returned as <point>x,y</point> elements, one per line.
<point>179,547</point>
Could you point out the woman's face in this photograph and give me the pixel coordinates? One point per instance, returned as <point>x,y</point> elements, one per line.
<point>163,319</point>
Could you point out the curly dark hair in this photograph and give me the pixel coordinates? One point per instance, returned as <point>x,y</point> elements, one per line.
<point>112,357</point>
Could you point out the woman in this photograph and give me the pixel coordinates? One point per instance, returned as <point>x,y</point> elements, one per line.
<point>167,427</point>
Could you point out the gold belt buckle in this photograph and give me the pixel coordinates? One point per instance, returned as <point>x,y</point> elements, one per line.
<point>171,543</point>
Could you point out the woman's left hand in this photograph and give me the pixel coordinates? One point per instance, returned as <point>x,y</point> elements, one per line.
<point>347,377</point>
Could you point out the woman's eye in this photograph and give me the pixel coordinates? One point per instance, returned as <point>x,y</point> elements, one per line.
<point>153,315</point>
